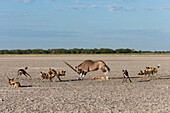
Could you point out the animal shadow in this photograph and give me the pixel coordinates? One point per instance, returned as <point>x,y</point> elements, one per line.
<point>79,79</point>
<point>144,80</point>
<point>164,77</point>
<point>122,78</point>
<point>63,81</point>
<point>26,86</point>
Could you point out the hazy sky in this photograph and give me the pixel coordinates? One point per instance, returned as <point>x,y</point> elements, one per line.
<point>47,24</point>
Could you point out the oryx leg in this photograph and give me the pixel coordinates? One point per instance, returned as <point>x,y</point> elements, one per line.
<point>83,74</point>
<point>80,76</point>
<point>105,73</point>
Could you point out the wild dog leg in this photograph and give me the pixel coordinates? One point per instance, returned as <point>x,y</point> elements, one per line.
<point>129,78</point>
<point>51,80</point>
<point>149,76</point>
<point>28,75</point>
<point>18,76</point>
<point>144,76</point>
<point>123,78</point>
<point>41,79</point>
<point>25,74</point>
<point>59,78</point>
<point>157,75</point>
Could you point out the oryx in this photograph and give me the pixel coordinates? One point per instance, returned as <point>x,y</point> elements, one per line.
<point>88,66</point>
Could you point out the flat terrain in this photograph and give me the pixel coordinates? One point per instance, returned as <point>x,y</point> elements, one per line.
<point>87,96</point>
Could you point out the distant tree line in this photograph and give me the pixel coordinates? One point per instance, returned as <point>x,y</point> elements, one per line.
<point>77,51</point>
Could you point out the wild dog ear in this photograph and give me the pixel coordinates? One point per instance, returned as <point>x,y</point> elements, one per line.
<point>13,79</point>
<point>140,70</point>
<point>123,70</point>
<point>63,71</point>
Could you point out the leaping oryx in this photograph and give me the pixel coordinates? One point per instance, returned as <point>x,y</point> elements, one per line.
<point>88,66</point>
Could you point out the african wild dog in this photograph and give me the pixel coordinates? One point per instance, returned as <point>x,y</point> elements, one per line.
<point>13,83</point>
<point>125,76</point>
<point>22,71</point>
<point>51,74</point>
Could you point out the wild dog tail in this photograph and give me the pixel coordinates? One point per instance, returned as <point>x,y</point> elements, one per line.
<point>158,65</point>
<point>25,68</point>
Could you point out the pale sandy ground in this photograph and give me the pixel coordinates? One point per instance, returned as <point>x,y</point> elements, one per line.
<point>87,96</point>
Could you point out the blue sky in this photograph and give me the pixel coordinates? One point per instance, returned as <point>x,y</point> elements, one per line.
<point>47,24</point>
